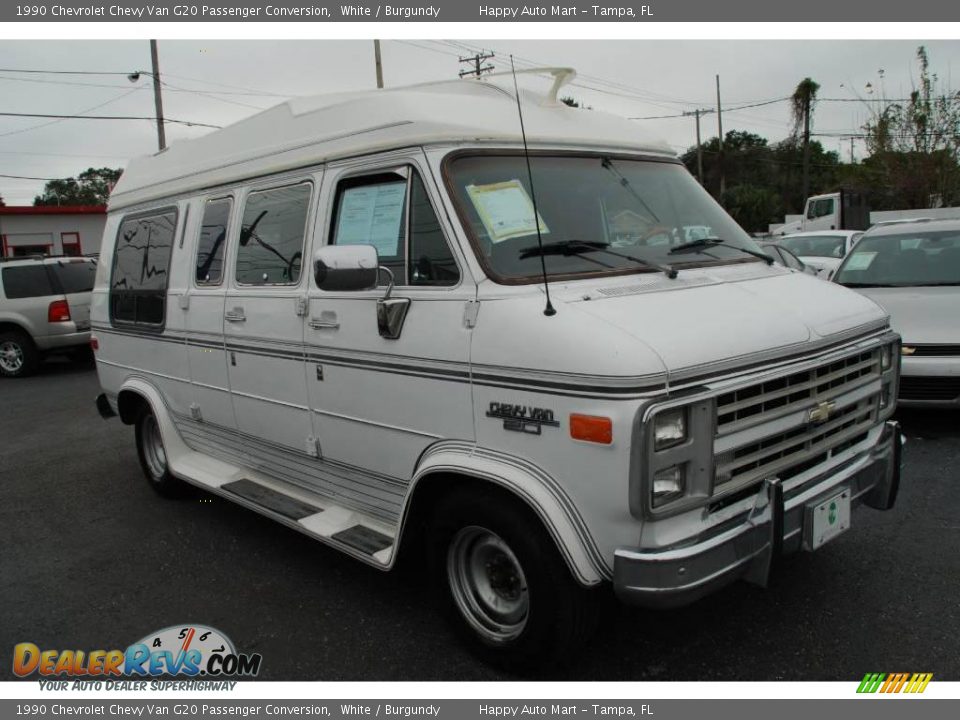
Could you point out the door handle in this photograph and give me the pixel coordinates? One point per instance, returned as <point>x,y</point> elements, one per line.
<point>327,321</point>
<point>235,315</point>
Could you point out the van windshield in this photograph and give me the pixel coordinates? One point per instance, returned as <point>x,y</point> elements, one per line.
<point>907,259</point>
<point>639,209</point>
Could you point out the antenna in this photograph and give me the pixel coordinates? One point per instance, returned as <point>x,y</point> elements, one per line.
<point>548,310</point>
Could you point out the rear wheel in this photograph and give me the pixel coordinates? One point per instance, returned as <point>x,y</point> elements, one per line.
<point>504,584</point>
<point>153,457</point>
<point>18,355</point>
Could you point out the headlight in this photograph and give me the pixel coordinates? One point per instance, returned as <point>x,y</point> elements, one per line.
<point>668,484</point>
<point>886,357</point>
<point>670,429</point>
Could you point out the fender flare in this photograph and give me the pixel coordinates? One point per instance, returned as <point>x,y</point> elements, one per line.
<point>529,483</point>
<point>173,444</point>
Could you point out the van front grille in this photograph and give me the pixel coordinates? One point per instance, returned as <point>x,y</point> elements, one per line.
<point>780,396</point>
<point>779,455</point>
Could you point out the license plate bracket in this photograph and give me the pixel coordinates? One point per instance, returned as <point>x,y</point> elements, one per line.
<point>825,519</point>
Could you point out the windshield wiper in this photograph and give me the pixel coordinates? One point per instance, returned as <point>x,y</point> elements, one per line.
<point>579,247</point>
<point>704,243</point>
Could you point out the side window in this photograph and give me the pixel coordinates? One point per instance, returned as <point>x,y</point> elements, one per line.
<point>27,281</point>
<point>274,222</point>
<point>141,266</point>
<point>213,237</point>
<point>431,262</point>
<point>392,212</point>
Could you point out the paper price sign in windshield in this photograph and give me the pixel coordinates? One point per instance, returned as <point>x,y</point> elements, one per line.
<point>505,210</point>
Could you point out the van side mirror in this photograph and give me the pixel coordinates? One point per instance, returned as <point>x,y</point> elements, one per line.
<point>346,268</point>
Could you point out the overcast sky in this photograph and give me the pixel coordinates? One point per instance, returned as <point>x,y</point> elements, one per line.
<point>220,82</point>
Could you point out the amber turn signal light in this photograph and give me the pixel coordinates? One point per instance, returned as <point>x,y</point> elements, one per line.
<point>591,428</point>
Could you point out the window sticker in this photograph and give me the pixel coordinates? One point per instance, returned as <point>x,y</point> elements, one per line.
<point>372,215</point>
<point>860,261</point>
<point>505,210</point>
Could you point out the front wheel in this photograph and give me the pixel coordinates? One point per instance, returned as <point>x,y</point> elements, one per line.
<point>505,585</point>
<point>153,457</point>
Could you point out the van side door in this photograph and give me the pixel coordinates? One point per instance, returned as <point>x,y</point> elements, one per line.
<point>377,402</point>
<point>263,314</point>
<point>209,236</point>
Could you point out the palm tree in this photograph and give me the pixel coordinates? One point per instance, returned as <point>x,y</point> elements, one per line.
<point>801,110</point>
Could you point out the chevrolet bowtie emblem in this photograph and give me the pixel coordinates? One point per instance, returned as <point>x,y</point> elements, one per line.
<point>821,413</point>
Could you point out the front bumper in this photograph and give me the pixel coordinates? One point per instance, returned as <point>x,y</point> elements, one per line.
<point>930,381</point>
<point>678,576</point>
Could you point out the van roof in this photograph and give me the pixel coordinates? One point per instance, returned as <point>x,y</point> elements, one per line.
<point>310,130</point>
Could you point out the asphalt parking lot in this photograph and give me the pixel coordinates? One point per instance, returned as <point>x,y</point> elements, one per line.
<point>91,558</point>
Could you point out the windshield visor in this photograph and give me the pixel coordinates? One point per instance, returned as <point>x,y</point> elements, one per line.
<point>913,259</point>
<point>639,209</point>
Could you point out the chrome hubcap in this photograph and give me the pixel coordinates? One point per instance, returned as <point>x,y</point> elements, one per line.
<point>153,451</point>
<point>488,584</point>
<point>11,356</point>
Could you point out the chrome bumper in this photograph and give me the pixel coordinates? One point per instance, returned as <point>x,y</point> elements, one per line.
<point>678,576</point>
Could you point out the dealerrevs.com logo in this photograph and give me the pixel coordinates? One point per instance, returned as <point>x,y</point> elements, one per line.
<point>188,650</point>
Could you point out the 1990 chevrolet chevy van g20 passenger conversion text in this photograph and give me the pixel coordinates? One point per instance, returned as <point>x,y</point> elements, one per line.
<point>333,313</point>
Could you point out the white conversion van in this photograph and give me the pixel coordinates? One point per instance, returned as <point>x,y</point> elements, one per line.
<point>335,313</point>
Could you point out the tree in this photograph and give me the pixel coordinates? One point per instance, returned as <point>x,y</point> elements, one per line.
<point>801,111</point>
<point>915,145</point>
<point>754,208</point>
<point>2,203</point>
<point>91,187</point>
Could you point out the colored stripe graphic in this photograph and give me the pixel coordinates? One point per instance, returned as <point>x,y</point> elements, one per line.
<point>894,683</point>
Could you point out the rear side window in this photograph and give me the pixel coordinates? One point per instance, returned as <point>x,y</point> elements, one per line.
<point>27,281</point>
<point>141,268</point>
<point>271,236</point>
<point>74,277</point>
<point>213,236</point>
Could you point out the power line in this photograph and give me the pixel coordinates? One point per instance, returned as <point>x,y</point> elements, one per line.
<point>82,112</point>
<point>734,108</point>
<point>188,123</point>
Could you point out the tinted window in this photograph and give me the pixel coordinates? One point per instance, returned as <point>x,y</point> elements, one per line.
<point>213,237</point>
<point>141,265</point>
<point>27,281</point>
<point>394,215</point>
<point>271,236</point>
<point>75,277</point>
<point>431,262</point>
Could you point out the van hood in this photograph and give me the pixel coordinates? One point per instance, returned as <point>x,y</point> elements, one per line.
<point>712,320</point>
<point>922,315</point>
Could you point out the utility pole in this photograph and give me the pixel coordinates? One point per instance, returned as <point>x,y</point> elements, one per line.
<point>157,100</point>
<point>696,113</point>
<point>723,180</point>
<point>478,67</point>
<point>376,57</point>
<point>851,151</point>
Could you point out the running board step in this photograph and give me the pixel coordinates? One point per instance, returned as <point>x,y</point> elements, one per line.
<point>364,539</point>
<point>271,499</point>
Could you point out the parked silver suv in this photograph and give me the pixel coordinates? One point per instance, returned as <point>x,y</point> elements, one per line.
<point>44,308</point>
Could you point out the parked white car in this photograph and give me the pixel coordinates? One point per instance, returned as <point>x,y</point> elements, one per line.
<point>335,313</point>
<point>823,250</point>
<point>912,270</point>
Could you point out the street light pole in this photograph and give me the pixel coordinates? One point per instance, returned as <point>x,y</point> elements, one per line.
<point>157,99</point>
